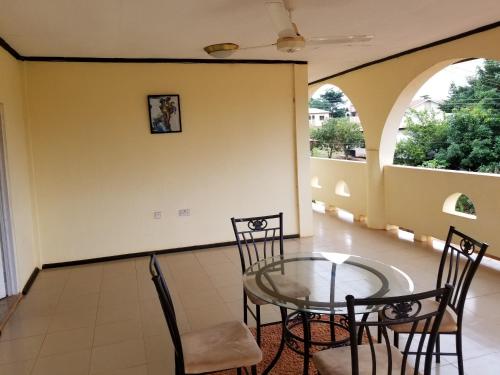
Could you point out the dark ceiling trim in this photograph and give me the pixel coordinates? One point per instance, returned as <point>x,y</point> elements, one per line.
<point>416,49</point>
<point>6,46</point>
<point>156,60</point>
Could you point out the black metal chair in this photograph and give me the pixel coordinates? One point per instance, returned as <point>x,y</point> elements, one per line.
<point>258,238</point>
<point>457,268</point>
<point>225,346</point>
<point>383,358</point>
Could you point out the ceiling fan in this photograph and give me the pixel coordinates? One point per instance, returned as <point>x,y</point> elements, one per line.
<point>289,39</point>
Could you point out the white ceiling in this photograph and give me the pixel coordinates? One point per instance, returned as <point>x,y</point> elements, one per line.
<point>181,28</point>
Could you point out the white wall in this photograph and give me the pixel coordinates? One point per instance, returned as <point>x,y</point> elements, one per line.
<point>100,174</point>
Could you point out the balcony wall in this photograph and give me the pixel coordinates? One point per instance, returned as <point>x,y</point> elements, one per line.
<point>328,173</point>
<point>414,197</point>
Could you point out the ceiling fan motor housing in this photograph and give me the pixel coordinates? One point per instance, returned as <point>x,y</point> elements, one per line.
<point>291,44</point>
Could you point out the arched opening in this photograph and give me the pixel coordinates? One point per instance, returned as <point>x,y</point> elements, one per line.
<point>452,120</point>
<point>460,205</point>
<point>335,128</point>
<point>315,182</point>
<point>342,189</point>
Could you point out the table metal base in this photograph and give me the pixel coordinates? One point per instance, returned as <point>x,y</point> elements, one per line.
<point>302,344</point>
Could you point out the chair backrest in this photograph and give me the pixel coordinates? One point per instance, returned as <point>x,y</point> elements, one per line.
<point>393,311</point>
<point>458,266</point>
<point>258,237</point>
<point>167,306</point>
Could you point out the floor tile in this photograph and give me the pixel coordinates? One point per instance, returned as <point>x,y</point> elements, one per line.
<point>117,312</point>
<point>136,370</point>
<point>67,341</point>
<point>111,333</point>
<point>125,354</point>
<point>74,363</point>
<point>72,319</point>
<point>20,349</point>
<point>24,327</point>
<point>17,368</point>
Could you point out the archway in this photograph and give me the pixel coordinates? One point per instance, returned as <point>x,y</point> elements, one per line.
<point>450,121</point>
<point>335,127</point>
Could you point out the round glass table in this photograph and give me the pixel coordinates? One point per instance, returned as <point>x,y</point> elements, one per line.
<point>313,285</point>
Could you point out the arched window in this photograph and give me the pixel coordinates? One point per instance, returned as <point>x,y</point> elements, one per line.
<point>342,189</point>
<point>460,205</point>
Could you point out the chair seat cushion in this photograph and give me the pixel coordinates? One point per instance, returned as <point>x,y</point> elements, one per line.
<point>224,346</point>
<point>337,361</point>
<point>448,323</point>
<point>283,285</point>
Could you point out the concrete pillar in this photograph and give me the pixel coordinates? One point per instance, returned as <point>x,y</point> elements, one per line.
<point>375,215</point>
<point>303,162</point>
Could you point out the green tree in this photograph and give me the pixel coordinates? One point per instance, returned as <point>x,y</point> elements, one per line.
<point>426,139</point>
<point>469,137</point>
<point>482,89</point>
<point>473,144</point>
<point>338,134</point>
<point>332,101</point>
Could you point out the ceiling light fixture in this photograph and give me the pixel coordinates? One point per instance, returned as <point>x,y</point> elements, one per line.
<point>221,50</point>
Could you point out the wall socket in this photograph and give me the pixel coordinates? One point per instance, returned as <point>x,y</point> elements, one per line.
<point>157,215</point>
<point>184,212</point>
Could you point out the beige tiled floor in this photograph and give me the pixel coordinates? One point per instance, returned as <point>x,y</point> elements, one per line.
<point>104,319</point>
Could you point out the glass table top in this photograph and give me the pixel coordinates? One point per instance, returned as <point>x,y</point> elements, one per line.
<point>319,282</point>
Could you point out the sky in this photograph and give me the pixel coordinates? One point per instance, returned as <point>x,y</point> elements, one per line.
<point>438,85</point>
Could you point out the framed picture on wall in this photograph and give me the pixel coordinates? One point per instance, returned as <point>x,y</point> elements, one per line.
<point>164,114</point>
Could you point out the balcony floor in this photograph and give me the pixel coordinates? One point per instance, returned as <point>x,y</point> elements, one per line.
<point>105,318</point>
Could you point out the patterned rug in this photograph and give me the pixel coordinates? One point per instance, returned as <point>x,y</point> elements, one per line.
<point>290,363</point>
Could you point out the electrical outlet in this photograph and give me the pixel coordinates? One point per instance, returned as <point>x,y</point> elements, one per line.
<point>157,215</point>
<point>184,212</point>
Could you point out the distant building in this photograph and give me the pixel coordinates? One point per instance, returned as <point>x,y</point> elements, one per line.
<point>421,104</point>
<point>317,117</point>
<point>424,103</point>
<point>352,114</point>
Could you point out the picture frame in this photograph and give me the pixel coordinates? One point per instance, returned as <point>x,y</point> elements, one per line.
<point>164,113</point>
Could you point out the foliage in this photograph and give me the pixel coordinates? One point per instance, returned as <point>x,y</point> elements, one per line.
<point>468,138</point>
<point>465,205</point>
<point>426,138</point>
<point>338,134</point>
<point>473,145</point>
<point>332,101</point>
<point>483,89</point>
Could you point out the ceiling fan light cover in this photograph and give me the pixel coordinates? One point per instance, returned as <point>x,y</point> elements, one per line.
<point>221,50</point>
<point>291,44</point>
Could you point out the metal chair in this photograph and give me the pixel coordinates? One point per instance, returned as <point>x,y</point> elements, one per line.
<point>225,346</point>
<point>457,268</point>
<point>384,358</point>
<point>258,238</point>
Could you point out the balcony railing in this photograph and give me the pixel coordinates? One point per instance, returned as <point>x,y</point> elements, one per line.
<point>414,197</point>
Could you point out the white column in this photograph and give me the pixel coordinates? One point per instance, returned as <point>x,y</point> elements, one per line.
<point>303,167</point>
<point>376,216</point>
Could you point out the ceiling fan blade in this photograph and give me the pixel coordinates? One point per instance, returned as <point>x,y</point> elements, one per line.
<point>260,46</point>
<point>280,17</point>
<point>339,39</point>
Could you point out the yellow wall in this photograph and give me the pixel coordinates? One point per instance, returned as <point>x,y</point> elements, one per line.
<point>18,166</point>
<point>100,173</point>
<point>408,207</point>
<point>329,173</point>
